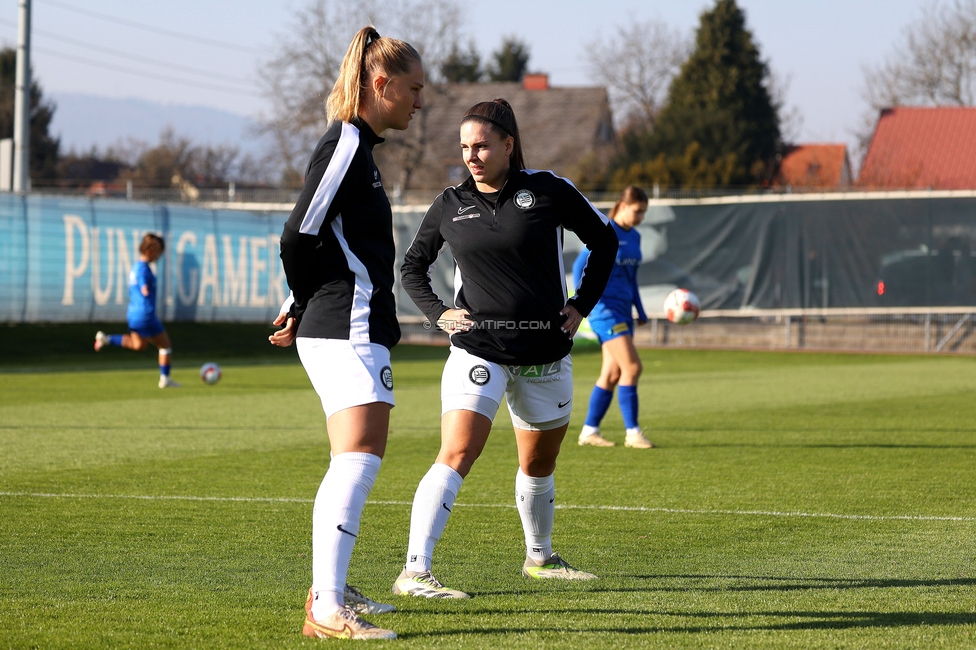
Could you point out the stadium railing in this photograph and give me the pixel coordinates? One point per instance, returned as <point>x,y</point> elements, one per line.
<point>905,329</point>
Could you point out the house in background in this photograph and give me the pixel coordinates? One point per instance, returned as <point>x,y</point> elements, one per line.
<point>561,128</point>
<point>922,148</point>
<point>814,166</point>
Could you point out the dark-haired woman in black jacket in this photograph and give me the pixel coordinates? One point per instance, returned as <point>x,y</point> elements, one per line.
<point>511,332</point>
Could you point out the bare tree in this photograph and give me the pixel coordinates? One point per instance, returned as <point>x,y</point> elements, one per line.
<point>790,118</point>
<point>637,63</point>
<point>934,64</point>
<point>299,76</point>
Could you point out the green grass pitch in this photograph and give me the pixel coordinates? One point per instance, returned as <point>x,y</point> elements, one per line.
<point>794,500</point>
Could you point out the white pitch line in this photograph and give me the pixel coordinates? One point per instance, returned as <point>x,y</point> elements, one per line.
<point>679,511</point>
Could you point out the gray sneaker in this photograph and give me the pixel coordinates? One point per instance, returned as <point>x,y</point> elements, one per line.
<point>424,585</point>
<point>357,602</point>
<point>553,568</point>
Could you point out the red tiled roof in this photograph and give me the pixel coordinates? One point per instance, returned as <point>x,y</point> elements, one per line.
<point>814,165</point>
<point>922,148</point>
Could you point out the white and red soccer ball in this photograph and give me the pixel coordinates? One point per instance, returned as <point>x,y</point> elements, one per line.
<point>681,307</point>
<point>210,373</point>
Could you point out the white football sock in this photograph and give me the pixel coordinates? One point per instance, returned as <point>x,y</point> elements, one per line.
<point>536,502</point>
<point>335,525</point>
<point>432,505</point>
<point>588,431</point>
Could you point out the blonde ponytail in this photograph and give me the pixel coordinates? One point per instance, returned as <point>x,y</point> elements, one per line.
<point>368,53</point>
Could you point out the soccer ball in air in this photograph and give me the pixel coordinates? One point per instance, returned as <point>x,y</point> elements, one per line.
<point>681,306</point>
<point>210,373</point>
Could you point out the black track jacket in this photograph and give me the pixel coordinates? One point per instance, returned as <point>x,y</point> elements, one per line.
<point>337,246</point>
<point>510,275</point>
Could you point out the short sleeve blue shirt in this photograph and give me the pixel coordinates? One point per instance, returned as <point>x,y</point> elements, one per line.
<point>142,309</point>
<point>622,290</point>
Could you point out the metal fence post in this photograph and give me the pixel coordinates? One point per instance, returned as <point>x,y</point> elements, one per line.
<point>788,333</point>
<point>928,332</point>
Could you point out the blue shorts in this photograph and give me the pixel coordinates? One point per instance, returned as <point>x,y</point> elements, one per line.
<point>147,328</point>
<point>609,326</point>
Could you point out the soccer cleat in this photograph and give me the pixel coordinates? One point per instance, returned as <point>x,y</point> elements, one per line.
<point>101,340</point>
<point>344,624</point>
<point>637,440</point>
<point>166,382</point>
<point>553,568</point>
<point>424,585</point>
<point>595,440</point>
<point>357,602</point>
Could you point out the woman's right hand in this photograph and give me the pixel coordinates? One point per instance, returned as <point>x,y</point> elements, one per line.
<point>453,321</point>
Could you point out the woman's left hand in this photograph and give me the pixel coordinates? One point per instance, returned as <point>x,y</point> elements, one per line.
<point>573,320</point>
<point>286,335</point>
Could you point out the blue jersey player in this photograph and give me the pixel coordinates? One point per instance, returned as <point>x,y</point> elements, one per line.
<point>144,326</point>
<point>613,323</point>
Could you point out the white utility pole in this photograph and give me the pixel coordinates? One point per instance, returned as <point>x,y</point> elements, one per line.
<point>22,106</point>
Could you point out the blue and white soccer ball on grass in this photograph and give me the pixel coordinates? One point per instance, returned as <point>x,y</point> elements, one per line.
<point>681,306</point>
<point>210,373</point>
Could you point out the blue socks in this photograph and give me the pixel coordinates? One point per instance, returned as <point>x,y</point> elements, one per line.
<point>628,405</point>
<point>164,370</point>
<point>115,339</point>
<point>599,403</point>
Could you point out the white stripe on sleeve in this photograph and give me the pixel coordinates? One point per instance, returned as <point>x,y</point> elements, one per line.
<point>331,179</point>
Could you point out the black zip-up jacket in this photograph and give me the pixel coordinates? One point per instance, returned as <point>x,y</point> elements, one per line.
<point>337,246</point>
<point>510,275</point>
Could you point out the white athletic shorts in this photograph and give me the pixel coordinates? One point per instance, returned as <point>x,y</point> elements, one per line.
<point>539,397</point>
<point>347,373</point>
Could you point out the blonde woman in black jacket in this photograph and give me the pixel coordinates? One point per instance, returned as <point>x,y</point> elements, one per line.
<point>337,251</point>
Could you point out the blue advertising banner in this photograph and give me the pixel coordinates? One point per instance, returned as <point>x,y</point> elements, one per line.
<point>68,259</point>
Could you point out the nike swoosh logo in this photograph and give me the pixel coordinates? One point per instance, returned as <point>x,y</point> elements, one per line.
<point>565,403</point>
<point>552,499</point>
<point>465,208</point>
<point>343,530</point>
<point>445,507</point>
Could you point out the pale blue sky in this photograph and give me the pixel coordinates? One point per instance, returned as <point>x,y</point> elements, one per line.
<point>820,45</point>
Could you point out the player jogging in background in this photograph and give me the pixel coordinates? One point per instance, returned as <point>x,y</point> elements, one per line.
<point>338,253</point>
<point>613,323</point>
<point>144,326</point>
<point>511,333</point>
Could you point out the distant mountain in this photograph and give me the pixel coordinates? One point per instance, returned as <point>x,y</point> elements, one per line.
<point>83,121</point>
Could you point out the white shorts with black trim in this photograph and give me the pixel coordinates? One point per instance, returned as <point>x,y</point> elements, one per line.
<point>347,373</point>
<point>539,397</point>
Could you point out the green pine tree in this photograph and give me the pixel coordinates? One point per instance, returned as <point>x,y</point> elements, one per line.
<point>43,148</point>
<point>462,67</point>
<point>719,125</point>
<point>510,62</point>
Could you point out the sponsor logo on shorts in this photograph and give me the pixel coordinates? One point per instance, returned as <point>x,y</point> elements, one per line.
<point>524,199</point>
<point>386,377</point>
<point>479,375</point>
<point>563,404</point>
<point>620,328</point>
<point>543,373</point>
